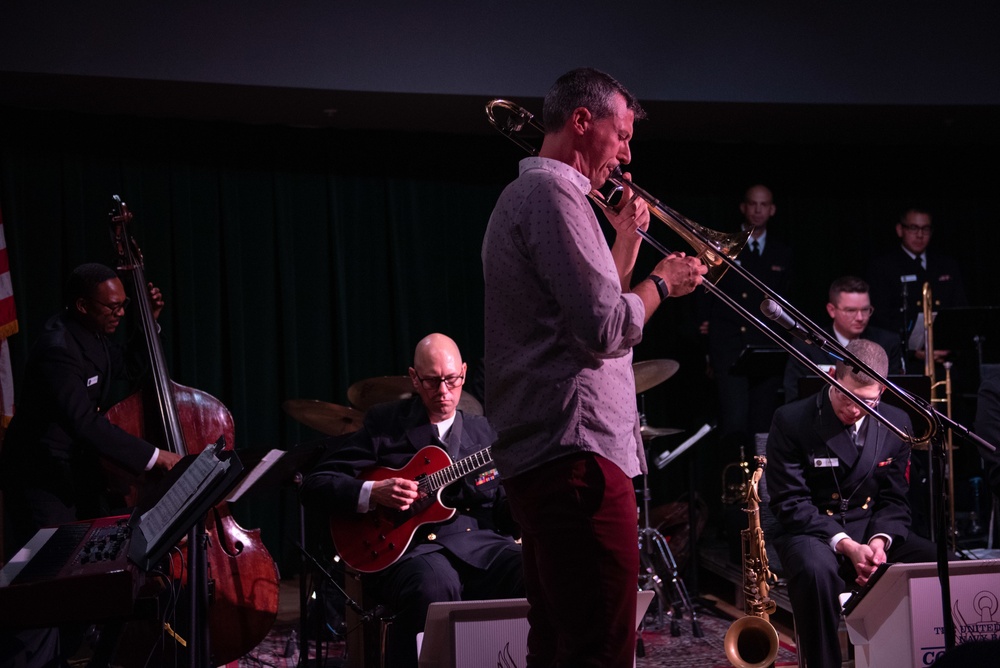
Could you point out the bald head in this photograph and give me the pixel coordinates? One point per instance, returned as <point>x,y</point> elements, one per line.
<point>435,346</point>
<point>757,207</point>
<point>437,364</point>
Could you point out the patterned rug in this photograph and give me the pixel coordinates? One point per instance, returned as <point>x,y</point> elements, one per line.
<point>658,649</point>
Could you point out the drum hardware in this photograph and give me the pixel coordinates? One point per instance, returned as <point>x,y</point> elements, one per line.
<point>649,433</point>
<point>658,569</point>
<point>329,419</point>
<point>657,564</point>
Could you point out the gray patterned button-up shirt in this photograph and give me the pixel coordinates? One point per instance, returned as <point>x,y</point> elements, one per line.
<point>559,331</point>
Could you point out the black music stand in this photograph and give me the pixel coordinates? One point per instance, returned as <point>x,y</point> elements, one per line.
<point>962,328</point>
<point>758,361</point>
<point>278,468</point>
<point>178,507</point>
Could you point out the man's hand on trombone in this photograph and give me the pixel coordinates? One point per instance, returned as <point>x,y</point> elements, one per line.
<point>627,219</point>
<point>681,272</point>
<point>632,215</point>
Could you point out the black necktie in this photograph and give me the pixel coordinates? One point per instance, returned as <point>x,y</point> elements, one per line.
<point>753,247</point>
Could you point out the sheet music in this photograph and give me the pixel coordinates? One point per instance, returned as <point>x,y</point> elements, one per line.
<point>158,519</point>
<point>670,455</point>
<point>266,462</point>
<point>916,340</point>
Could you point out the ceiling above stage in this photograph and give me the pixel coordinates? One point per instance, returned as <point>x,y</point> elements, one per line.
<point>464,114</point>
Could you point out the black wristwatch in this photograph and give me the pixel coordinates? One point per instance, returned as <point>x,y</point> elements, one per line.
<point>661,286</point>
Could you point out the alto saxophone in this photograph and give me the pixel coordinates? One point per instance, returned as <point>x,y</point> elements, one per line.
<point>752,641</point>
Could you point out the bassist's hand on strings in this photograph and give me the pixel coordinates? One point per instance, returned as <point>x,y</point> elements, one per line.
<point>155,299</point>
<point>395,493</point>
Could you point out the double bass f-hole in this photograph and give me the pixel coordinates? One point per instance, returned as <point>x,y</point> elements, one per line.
<point>183,420</point>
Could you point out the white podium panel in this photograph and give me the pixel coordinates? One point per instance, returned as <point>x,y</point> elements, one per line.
<point>476,634</point>
<point>899,621</point>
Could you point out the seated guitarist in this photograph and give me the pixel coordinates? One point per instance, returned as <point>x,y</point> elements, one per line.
<point>472,555</point>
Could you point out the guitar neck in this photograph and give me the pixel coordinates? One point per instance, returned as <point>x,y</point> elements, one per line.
<point>459,469</point>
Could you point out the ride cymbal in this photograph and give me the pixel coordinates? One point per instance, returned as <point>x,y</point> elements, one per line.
<point>329,419</point>
<point>366,393</point>
<point>651,373</point>
<point>649,433</point>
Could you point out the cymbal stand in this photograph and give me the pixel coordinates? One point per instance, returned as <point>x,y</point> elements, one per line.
<point>656,565</point>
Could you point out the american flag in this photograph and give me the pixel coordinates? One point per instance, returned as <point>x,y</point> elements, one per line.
<point>8,326</point>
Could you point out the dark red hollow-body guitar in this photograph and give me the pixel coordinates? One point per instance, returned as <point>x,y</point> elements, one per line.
<point>369,542</point>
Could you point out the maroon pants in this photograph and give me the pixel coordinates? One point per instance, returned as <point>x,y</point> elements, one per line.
<point>580,545</point>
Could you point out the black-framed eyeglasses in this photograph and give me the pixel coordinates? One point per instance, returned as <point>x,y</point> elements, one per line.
<point>434,382</point>
<point>866,311</point>
<point>113,308</point>
<point>917,229</point>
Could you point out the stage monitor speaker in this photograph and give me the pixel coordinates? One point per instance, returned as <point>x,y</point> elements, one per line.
<point>473,634</point>
<point>898,622</point>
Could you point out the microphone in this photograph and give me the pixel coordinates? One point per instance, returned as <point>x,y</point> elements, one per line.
<point>773,311</point>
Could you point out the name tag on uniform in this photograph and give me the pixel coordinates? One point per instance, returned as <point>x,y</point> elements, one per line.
<point>92,381</point>
<point>826,462</point>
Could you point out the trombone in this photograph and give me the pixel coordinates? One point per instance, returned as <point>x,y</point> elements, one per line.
<point>936,385</point>
<point>718,251</point>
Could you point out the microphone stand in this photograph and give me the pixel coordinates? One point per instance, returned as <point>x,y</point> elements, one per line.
<point>366,616</point>
<point>904,325</point>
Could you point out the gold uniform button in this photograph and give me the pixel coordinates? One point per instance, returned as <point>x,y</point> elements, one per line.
<point>468,528</point>
<point>830,513</point>
<point>835,496</point>
<point>432,536</point>
<point>743,329</point>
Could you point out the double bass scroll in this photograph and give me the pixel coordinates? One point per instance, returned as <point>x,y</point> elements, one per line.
<point>244,600</point>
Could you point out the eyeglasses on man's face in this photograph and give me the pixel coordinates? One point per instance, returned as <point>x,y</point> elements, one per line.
<point>917,229</point>
<point>114,308</point>
<point>853,312</point>
<point>871,403</point>
<point>434,382</point>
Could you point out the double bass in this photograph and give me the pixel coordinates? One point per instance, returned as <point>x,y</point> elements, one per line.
<point>243,577</point>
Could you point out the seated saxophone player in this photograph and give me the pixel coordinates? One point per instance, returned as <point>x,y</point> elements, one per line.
<point>837,484</point>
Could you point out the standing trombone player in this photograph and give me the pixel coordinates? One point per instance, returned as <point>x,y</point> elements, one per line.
<point>562,315</point>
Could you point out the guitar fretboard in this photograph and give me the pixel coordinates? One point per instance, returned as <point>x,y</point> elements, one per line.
<point>459,469</point>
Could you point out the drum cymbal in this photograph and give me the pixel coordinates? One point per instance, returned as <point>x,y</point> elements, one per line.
<point>649,433</point>
<point>366,393</point>
<point>329,419</point>
<point>651,373</point>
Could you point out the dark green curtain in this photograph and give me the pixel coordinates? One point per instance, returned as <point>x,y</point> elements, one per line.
<point>298,261</point>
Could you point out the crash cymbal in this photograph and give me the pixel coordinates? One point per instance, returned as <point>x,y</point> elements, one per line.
<point>366,393</point>
<point>329,419</point>
<point>651,373</point>
<point>649,433</point>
